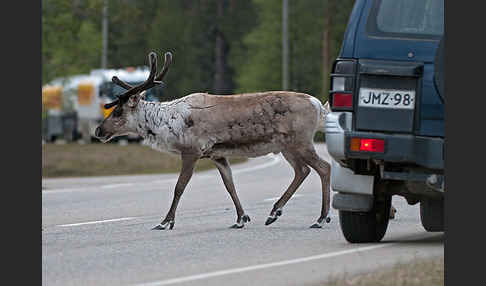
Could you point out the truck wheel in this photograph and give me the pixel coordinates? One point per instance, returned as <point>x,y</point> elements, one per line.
<point>432,214</point>
<point>359,227</point>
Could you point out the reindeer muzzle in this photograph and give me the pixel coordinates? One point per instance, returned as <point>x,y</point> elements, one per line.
<point>102,135</point>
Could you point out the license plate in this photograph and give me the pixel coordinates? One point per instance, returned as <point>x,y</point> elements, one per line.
<point>387,98</point>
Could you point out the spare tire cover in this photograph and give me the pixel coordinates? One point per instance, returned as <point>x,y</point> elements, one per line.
<point>439,77</point>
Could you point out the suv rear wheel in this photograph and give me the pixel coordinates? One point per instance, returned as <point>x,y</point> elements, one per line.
<point>359,227</point>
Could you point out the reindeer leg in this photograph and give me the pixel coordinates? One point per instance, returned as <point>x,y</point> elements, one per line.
<point>225,171</point>
<point>301,171</point>
<point>393,210</point>
<point>188,163</point>
<point>323,168</point>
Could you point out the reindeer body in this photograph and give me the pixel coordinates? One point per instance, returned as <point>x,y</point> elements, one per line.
<point>202,125</point>
<point>245,125</point>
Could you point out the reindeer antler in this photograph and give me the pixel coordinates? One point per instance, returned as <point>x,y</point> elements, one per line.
<point>118,82</point>
<point>165,68</point>
<point>151,81</point>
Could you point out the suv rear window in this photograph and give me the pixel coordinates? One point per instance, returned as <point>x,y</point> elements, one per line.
<point>407,18</point>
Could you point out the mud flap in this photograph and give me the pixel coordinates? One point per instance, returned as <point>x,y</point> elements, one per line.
<point>344,180</point>
<point>352,202</point>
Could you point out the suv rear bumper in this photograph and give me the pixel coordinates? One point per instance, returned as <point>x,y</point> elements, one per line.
<point>400,148</point>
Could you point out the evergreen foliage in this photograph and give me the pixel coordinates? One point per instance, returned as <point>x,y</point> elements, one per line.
<point>219,46</point>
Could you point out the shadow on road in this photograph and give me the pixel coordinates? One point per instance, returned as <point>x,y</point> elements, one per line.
<point>433,239</point>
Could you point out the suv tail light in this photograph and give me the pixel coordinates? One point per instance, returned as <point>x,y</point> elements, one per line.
<point>367,144</point>
<point>340,99</point>
<point>342,85</point>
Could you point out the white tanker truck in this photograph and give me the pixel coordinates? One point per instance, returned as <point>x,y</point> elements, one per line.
<point>73,106</point>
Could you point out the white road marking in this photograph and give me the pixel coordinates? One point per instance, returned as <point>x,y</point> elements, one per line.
<point>62,190</point>
<point>261,266</point>
<point>277,198</point>
<point>274,160</point>
<point>97,221</point>
<point>112,186</point>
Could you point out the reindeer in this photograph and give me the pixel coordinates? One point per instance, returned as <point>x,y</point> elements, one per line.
<point>202,125</point>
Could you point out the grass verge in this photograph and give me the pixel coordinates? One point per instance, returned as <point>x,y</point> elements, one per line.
<point>420,272</point>
<point>75,160</point>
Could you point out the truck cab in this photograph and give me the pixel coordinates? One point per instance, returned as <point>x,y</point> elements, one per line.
<point>385,131</point>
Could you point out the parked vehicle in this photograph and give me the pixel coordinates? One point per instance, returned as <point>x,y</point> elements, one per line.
<point>385,133</point>
<point>73,105</point>
<point>51,115</point>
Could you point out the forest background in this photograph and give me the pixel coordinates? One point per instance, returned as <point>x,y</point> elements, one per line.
<point>218,46</point>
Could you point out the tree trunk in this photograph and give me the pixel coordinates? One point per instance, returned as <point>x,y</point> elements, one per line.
<point>220,86</point>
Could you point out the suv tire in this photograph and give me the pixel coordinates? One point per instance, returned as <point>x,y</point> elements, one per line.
<point>360,227</point>
<point>432,214</point>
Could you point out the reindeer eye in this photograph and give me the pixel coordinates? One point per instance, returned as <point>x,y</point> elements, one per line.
<point>117,112</point>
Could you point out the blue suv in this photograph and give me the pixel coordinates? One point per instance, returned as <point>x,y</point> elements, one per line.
<point>385,131</point>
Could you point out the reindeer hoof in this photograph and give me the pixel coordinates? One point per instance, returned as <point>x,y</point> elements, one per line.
<point>165,225</point>
<point>238,225</point>
<point>319,222</point>
<point>245,218</point>
<point>392,212</point>
<point>272,218</point>
<point>316,225</point>
<point>158,227</point>
<point>241,222</point>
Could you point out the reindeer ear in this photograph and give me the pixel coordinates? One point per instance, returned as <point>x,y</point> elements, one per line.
<point>142,95</point>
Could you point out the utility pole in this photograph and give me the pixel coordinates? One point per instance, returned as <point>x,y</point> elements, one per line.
<point>285,46</point>
<point>326,48</point>
<point>104,24</point>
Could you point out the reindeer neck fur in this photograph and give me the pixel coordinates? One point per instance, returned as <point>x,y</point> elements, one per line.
<point>161,124</point>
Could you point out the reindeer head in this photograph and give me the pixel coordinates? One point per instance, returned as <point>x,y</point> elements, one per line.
<point>121,120</point>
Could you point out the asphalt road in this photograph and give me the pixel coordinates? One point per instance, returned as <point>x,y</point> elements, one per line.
<point>97,231</point>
